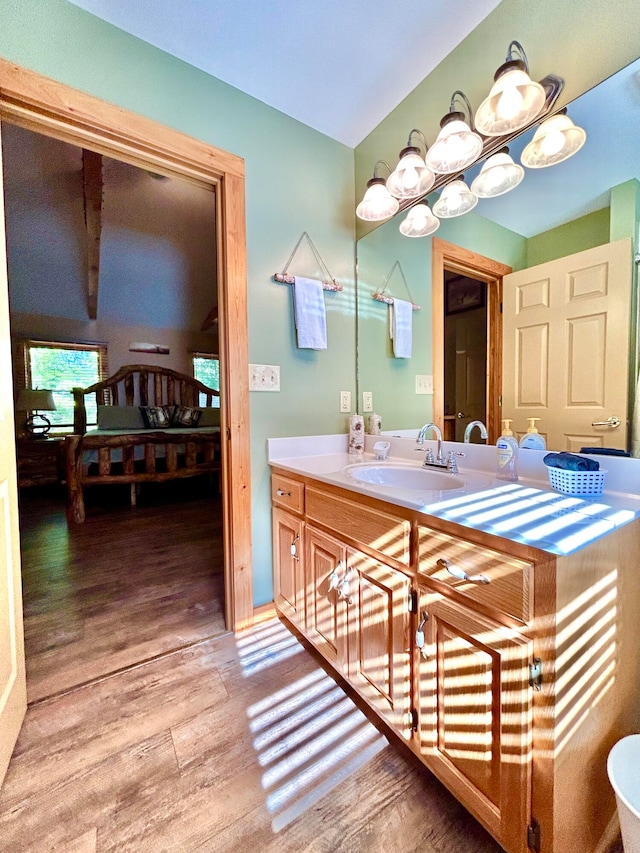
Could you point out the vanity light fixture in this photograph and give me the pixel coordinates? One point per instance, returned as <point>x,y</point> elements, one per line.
<point>411,177</point>
<point>498,175</point>
<point>555,140</point>
<point>514,100</point>
<point>377,203</point>
<point>457,144</point>
<point>419,222</point>
<point>455,199</point>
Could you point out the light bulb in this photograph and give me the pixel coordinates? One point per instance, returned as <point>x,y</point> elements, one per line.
<point>552,142</point>
<point>419,221</point>
<point>509,103</point>
<point>410,177</point>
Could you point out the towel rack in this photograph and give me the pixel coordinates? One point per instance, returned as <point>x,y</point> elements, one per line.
<point>284,278</point>
<point>381,296</point>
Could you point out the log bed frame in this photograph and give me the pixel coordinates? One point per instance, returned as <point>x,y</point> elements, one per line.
<point>167,455</point>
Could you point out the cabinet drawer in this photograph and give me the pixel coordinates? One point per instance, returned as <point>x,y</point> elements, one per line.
<point>383,532</point>
<point>287,493</point>
<point>495,580</point>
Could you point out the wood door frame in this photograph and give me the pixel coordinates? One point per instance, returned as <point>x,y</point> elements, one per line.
<point>45,106</point>
<point>448,256</point>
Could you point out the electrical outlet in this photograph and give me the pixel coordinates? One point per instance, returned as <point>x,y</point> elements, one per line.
<point>424,384</point>
<point>367,401</point>
<point>264,377</point>
<point>345,401</point>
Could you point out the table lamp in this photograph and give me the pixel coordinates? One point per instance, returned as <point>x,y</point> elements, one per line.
<point>33,401</point>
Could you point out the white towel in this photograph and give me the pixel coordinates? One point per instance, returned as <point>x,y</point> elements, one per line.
<point>635,424</point>
<point>401,323</point>
<point>311,321</point>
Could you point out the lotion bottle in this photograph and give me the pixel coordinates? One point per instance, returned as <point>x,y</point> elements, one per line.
<point>532,438</point>
<point>507,453</point>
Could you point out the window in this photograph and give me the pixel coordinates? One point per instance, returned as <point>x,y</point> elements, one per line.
<point>59,368</point>
<point>206,369</point>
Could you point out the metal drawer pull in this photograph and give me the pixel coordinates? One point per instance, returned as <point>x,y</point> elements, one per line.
<point>294,550</point>
<point>420,631</point>
<point>460,574</point>
<point>283,494</point>
<point>612,422</point>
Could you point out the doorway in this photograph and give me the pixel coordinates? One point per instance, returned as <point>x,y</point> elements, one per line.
<point>466,283</point>
<point>465,354</point>
<point>37,103</point>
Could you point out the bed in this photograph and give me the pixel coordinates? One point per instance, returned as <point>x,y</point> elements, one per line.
<point>154,425</point>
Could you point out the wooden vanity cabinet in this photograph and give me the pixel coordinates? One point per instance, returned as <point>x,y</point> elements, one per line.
<point>525,754</point>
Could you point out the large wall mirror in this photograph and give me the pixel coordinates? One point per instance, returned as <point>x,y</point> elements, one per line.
<point>485,367</point>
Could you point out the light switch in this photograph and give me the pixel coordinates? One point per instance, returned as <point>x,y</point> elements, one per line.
<point>264,377</point>
<point>424,383</point>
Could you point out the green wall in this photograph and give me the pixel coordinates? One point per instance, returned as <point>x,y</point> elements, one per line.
<point>584,233</point>
<point>284,197</point>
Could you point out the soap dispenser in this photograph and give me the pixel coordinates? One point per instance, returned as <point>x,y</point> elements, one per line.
<point>507,453</point>
<point>532,438</point>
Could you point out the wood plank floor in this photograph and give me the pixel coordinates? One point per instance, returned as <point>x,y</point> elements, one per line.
<point>237,743</point>
<point>125,586</point>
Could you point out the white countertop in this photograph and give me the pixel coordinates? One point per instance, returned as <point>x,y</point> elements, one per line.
<point>527,511</point>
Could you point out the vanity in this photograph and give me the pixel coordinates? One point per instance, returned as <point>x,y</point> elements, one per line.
<point>493,627</point>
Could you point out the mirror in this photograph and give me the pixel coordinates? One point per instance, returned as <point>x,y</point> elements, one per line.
<point>520,229</point>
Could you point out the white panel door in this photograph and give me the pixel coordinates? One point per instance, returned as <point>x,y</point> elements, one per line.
<point>566,348</point>
<point>13,688</point>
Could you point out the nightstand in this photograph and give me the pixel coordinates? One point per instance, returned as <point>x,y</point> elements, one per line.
<point>40,461</point>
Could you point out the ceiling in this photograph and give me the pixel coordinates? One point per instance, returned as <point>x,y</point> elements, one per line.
<point>338,66</point>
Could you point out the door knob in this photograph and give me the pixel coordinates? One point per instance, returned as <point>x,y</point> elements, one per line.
<point>611,422</point>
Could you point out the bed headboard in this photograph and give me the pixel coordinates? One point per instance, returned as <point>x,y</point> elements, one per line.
<point>141,385</point>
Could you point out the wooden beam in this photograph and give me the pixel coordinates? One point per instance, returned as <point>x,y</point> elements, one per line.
<point>92,188</point>
<point>211,318</point>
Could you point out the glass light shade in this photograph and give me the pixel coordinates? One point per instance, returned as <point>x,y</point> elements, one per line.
<point>420,222</point>
<point>555,140</point>
<point>456,146</point>
<point>411,177</point>
<point>514,100</point>
<point>455,199</point>
<point>377,203</point>
<point>498,175</point>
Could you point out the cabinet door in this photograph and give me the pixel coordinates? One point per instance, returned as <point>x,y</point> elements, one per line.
<point>325,560</point>
<point>288,566</point>
<point>379,643</point>
<point>475,711</point>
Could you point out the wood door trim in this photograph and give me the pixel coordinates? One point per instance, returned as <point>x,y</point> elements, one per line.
<point>448,256</point>
<point>53,109</point>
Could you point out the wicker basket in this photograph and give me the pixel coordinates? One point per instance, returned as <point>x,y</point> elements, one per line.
<point>576,482</point>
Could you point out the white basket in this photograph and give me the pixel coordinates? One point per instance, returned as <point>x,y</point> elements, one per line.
<point>576,482</point>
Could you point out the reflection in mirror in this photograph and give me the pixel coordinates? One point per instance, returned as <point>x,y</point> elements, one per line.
<point>559,364</point>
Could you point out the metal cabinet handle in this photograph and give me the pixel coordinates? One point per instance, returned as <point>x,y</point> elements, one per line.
<point>613,422</point>
<point>461,415</point>
<point>283,494</point>
<point>294,550</point>
<point>460,574</point>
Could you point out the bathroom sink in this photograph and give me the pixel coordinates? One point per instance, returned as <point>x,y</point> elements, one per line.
<point>404,477</point>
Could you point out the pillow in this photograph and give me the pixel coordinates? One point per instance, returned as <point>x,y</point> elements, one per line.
<point>210,417</point>
<point>157,417</point>
<point>185,416</point>
<point>119,417</point>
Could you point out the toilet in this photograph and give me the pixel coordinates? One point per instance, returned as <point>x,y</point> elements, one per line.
<point>623,767</point>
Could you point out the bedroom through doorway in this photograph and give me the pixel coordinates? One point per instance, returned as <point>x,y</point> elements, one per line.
<point>131,583</point>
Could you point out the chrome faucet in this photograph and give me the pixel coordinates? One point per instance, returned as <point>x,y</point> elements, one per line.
<point>469,430</point>
<point>428,459</point>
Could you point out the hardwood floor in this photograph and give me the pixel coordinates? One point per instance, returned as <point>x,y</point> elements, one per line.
<point>123,587</point>
<point>234,744</point>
